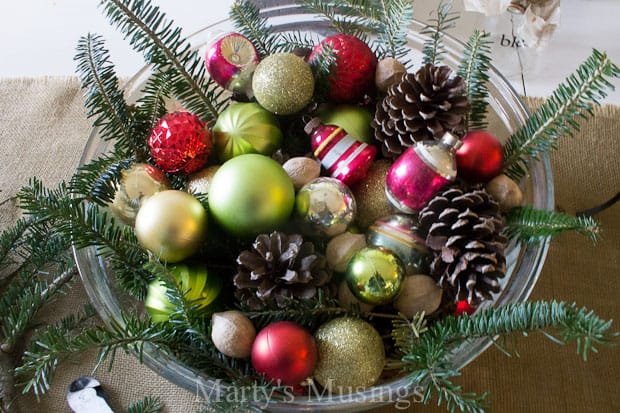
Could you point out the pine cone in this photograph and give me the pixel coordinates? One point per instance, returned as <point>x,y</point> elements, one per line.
<point>463,228</point>
<point>420,107</point>
<point>280,267</point>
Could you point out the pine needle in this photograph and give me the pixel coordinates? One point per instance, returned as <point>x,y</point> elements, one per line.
<point>474,68</point>
<point>433,47</point>
<point>149,404</point>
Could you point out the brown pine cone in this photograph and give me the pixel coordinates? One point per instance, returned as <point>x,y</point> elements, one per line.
<point>463,228</point>
<point>421,106</point>
<point>280,267</point>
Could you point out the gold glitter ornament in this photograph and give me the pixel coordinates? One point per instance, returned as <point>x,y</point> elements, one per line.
<point>351,355</point>
<point>283,83</point>
<point>369,194</point>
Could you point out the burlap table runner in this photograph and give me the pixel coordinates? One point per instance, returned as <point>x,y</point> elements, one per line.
<point>43,129</point>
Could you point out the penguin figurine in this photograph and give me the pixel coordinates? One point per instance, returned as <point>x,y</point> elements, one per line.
<point>86,395</point>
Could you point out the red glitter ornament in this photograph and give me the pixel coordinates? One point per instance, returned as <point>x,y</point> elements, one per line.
<point>180,142</point>
<point>480,158</point>
<point>284,352</point>
<point>354,71</point>
<point>463,307</point>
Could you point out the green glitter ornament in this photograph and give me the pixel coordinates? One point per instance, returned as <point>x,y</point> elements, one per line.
<point>351,355</point>
<point>283,83</point>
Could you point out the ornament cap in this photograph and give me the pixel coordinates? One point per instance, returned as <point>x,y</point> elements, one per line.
<point>451,141</point>
<point>312,125</point>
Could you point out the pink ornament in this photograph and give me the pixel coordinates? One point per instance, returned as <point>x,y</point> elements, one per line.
<point>344,157</point>
<point>231,60</point>
<point>180,142</point>
<point>284,352</point>
<point>420,172</point>
<point>354,71</point>
<point>480,158</point>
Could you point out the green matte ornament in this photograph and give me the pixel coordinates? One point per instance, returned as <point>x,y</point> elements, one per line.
<point>246,128</point>
<point>251,194</point>
<point>375,275</point>
<point>199,288</point>
<point>283,83</point>
<point>353,119</point>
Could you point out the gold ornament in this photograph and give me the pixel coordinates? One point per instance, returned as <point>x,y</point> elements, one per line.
<point>375,275</point>
<point>283,83</point>
<point>372,203</point>
<point>137,183</point>
<point>171,224</point>
<point>351,355</point>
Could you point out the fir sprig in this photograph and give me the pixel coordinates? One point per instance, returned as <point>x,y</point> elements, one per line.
<point>557,117</point>
<point>149,31</point>
<point>149,404</point>
<point>347,17</point>
<point>531,225</point>
<point>152,105</point>
<point>395,19</point>
<point>474,68</point>
<point>433,47</point>
<point>104,98</point>
<point>426,357</point>
<point>247,19</point>
<point>98,180</point>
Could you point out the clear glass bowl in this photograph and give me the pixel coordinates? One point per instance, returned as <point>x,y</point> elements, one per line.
<point>524,263</point>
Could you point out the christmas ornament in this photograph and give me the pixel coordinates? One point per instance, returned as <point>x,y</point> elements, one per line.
<point>285,353</point>
<point>348,301</point>
<point>200,182</point>
<point>198,286</point>
<point>302,170</point>
<point>231,60</point>
<point>396,233</point>
<point>279,268</point>
<point>251,194</point>
<point>369,194</point>
<point>389,71</point>
<point>345,158</point>
<point>420,172</point>
<point>283,83</point>
<point>341,248</point>
<point>137,183</point>
<point>351,355</point>
<point>480,157</point>
<point>232,333</point>
<point>420,293</point>
<point>505,191</point>
<point>463,307</point>
<point>488,7</point>
<point>352,75</point>
<point>463,228</point>
<point>171,225</point>
<point>325,207</point>
<point>180,142</point>
<point>354,119</point>
<point>86,395</point>
<point>375,275</point>
<point>246,128</point>
<point>422,106</point>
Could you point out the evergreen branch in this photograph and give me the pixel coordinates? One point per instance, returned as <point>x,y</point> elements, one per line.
<point>248,21</point>
<point>347,19</point>
<point>575,97</point>
<point>85,225</point>
<point>98,180</point>
<point>59,342</point>
<point>104,100</point>
<point>149,404</point>
<point>322,64</point>
<point>397,16</point>
<point>474,68</point>
<point>433,47</point>
<point>152,105</point>
<point>10,241</point>
<point>150,32</point>
<point>531,225</point>
<point>290,41</point>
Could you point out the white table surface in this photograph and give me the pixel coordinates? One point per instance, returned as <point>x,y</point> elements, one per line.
<point>39,36</point>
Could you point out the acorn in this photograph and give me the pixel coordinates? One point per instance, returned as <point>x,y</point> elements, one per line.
<point>341,248</point>
<point>302,170</point>
<point>232,333</point>
<point>388,72</point>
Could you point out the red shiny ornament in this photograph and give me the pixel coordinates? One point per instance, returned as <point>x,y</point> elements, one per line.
<point>463,307</point>
<point>180,142</point>
<point>354,73</point>
<point>284,352</point>
<point>480,158</point>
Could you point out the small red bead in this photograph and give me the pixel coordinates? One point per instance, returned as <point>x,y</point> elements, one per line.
<point>463,307</point>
